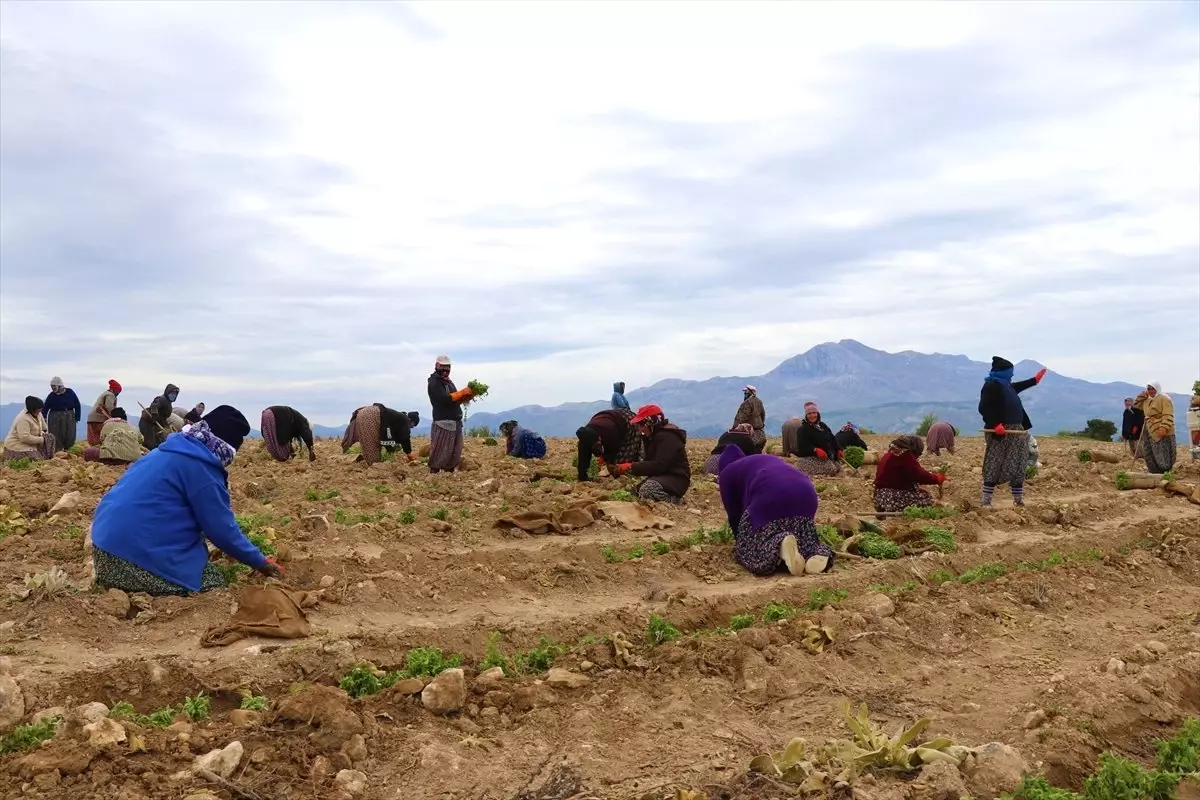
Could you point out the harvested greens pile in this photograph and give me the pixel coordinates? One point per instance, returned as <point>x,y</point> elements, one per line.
<point>479,388</point>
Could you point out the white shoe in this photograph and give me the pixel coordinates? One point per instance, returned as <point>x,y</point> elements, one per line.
<point>790,554</point>
<point>816,565</point>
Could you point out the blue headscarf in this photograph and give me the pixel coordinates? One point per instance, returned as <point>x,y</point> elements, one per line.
<point>1000,375</point>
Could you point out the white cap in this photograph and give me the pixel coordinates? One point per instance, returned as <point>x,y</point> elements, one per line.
<point>56,381</point>
<point>750,388</point>
<point>442,361</point>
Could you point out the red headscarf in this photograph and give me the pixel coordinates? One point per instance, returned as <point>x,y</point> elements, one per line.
<point>114,387</point>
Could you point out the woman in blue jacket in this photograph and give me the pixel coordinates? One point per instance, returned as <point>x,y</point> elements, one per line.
<point>149,530</point>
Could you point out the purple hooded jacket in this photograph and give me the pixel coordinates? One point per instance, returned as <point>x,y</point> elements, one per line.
<point>766,486</point>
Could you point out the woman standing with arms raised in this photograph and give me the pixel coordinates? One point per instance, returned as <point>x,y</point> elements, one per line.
<point>1005,424</point>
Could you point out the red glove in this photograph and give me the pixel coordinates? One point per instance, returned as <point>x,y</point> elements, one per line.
<point>939,478</point>
<point>841,454</point>
<point>999,430</point>
<point>411,458</point>
<point>600,461</point>
<point>819,453</point>
<point>1041,374</point>
<point>623,468</point>
<point>1134,431</point>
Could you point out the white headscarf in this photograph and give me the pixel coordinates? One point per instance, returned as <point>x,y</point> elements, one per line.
<point>1157,387</point>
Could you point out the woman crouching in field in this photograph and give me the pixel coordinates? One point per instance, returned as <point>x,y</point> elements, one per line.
<point>741,436</point>
<point>281,426</point>
<point>149,530</point>
<point>521,442</point>
<point>899,477</point>
<point>940,437</point>
<point>771,508</point>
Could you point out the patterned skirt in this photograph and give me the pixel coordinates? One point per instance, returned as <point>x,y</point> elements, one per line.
<point>1160,455</point>
<point>532,445</point>
<point>711,465</point>
<point>93,433</point>
<point>939,438</point>
<point>758,550</point>
<point>652,490</point>
<point>44,452</point>
<point>815,467</point>
<point>445,446</point>
<point>117,573</point>
<point>62,425</point>
<point>1005,459</point>
<point>900,499</point>
<point>364,429</point>
<point>759,438</point>
<point>280,451</point>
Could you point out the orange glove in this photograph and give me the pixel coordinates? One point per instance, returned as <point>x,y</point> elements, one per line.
<point>1041,374</point>
<point>462,394</point>
<point>411,458</point>
<point>999,430</point>
<point>819,453</point>
<point>623,468</point>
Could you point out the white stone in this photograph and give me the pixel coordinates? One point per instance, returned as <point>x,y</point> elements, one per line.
<point>351,781</point>
<point>222,761</point>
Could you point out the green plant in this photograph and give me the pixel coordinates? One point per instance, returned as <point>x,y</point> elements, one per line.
<point>610,554</point>
<point>904,588</point>
<point>830,536</point>
<point>540,658</point>
<point>637,551</point>
<point>408,516</point>
<point>940,576</point>
<point>1122,480</point>
<point>854,456</point>
<point>1084,456</point>
<point>819,598</point>
<point>19,464</point>
<point>439,513</point>
<point>197,707</point>
<point>361,681</point>
<point>160,718</point>
<point>721,535</point>
<point>593,467</point>
<point>255,702</point>
<point>740,621</point>
<point>383,489</point>
<point>122,710</point>
<point>941,539</point>
<point>773,612</point>
<point>983,572</point>
<point>659,631</point>
<point>1033,787</point>
<point>490,441</point>
<point>1031,472</point>
<point>259,539</point>
<point>927,422</point>
<point>622,495</point>
<point>69,533</point>
<point>27,737</point>
<point>493,656</point>
<point>478,388</point>
<point>929,512</point>
<point>1121,779</point>
<point>231,573</point>
<point>1169,476</point>
<point>428,662</point>
<point>316,495</point>
<point>872,545</point>
<point>1181,753</point>
<point>660,548</point>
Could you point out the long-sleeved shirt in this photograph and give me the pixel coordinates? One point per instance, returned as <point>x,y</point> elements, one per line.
<point>120,440</point>
<point>666,460</point>
<point>67,401</point>
<point>1131,423</point>
<point>751,411</point>
<point>902,472</point>
<point>445,408</point>
<point>107,401</point>
<point>27,433</point>
<point>1000,405</point>
<point>1160,414</point>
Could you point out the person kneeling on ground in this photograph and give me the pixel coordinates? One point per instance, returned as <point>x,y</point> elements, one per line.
<point>610,437</point>
<point>665,469</point>
<point>771,508</point>
<point>521,442</point>
<point>120,442</point>
<point>848,436</point>
<point>281,427</point>
<point>816,446</point>
<point>899,477</point>
<point>28,437</point>
<point>740,435</point>
<point>377,428</point>
<point>149,530</point>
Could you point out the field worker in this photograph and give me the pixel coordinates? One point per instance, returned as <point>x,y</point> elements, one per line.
<point>752,412</point>
<point>848,436</point>
<point>791,434</point>
<point>1131,426</point>
<point>939,437</point>
<point>28,437</point>
<point>665,467</point>
<point>101,409</point>
<point>899,477</point>
<point>149,529</point>
<point>816,446</point>
<point>1007,452</point>
<point>611,438</point>
<point>771,508</point>
<point>377,428</point>
<point>740,435</point>
<point>283,425</point>
<point>62,412</point>
<point>446,433</point>
<point>155,422</point>
<point>120,442</point>
<point>618,396</point>
<point>189,417</point>
<point>1158,439</point>
<point>521,442</point>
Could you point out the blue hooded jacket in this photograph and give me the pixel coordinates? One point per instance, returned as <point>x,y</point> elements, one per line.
<point>618,397</point>
<point>158,514</point>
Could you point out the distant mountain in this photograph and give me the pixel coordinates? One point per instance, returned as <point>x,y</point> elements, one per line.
<point>887,392</point>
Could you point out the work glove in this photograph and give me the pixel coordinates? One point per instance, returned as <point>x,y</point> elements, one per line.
<point>819,453</point>
<point>1041,374</point>
<point>600,462</point>
<point>939,478</point>
<point>623,468</point>
<point>841,455</point>
<point>462,394</point>
<point>271,569</point>
<point>411,458</point>
<point>1134,431</point>
<point>999,430</point>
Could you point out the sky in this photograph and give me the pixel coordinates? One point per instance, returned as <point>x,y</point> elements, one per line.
<point>305,203</point>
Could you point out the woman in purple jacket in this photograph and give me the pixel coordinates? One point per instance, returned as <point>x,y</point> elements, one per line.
<point>771,507</point>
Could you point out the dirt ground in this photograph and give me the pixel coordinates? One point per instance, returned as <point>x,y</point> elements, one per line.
<point>1023,658</point>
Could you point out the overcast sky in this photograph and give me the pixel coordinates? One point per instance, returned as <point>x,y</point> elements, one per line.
<point>304,203</point>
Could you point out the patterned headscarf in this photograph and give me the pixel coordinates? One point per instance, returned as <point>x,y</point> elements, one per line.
<point>744,427</point>
<point>203,434</point>
<point>913,444</point>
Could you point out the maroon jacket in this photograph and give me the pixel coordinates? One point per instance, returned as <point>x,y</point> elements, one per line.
<point>619,439</point>
<point>902,472</point>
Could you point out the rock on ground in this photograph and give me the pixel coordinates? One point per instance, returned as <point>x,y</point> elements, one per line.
<point>114,603</point>
<point>103,732</point>
<point>90,712</point>
<point>351,781</point>
<point>446,693</point>
<point>222,761</point>
<point>12,703</point>
<point>940,780</point>
<point>998,768</point>
<point>566,679</point>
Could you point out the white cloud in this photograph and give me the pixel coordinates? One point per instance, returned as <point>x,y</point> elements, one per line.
<point>268,202</point>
